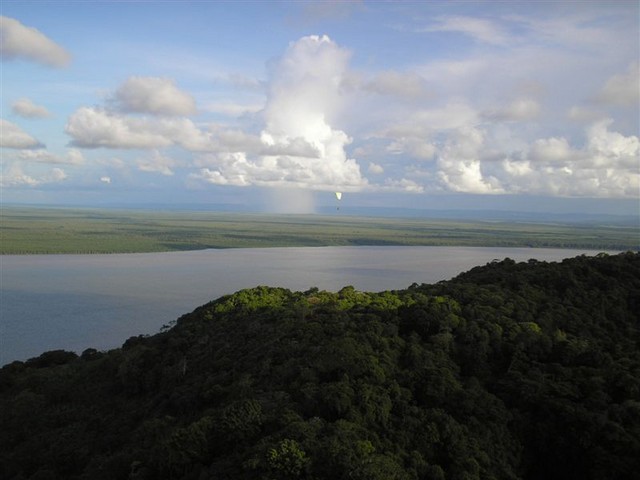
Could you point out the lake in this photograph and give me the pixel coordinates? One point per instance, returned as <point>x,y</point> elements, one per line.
<point>74,302</point>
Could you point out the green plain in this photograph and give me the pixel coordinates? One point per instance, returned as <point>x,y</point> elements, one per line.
<point>27,230</point>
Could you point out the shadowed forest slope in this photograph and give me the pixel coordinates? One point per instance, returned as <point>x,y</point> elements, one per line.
<point>509,371</point>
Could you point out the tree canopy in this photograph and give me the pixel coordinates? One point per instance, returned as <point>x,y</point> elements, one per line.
<point>508,371</point>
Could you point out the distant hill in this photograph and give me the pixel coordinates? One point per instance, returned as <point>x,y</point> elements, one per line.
<point>508,371</point>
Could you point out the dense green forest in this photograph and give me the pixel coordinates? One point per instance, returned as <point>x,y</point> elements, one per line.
<point>508,371</point>
<point>28,230</point>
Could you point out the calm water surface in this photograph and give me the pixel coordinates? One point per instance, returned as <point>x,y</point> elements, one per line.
<point>78,301</point>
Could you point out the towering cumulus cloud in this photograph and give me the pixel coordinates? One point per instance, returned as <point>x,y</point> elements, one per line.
<point>300,148</point>
<point>304,96</point>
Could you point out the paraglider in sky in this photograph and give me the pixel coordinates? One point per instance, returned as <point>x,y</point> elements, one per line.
<point>338,196</point>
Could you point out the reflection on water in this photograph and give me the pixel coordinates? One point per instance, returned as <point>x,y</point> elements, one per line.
<point>79,301</point>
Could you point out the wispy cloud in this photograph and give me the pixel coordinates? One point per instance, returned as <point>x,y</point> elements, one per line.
<point>479,29</point>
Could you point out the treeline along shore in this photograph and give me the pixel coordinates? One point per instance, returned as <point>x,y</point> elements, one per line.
<point>29,230</point>
<point>511,370</point>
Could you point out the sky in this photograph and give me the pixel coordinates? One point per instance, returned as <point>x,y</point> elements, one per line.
<point>530,106</point>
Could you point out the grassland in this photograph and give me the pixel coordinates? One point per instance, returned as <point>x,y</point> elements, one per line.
<point>26,230</point>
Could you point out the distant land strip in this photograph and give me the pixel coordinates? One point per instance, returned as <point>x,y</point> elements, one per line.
<point>28,230</point>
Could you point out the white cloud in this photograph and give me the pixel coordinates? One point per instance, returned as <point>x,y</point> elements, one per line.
<point>402,185</point>
<point>14,176</point>
<point>517,168</point>
<point>607,166</point>
<point>12,136</point>
<point>567,55</point>
<point>300,147</point>
<point>304,88</point>
<point>459,164</point>
<point>237,170</point>
<point>56,175</point>
<point>157,163</point>
<point>623,89</point>
<point>467,122</point>
<point>26,108</point>
<point>425,122</point>
<point>153,95</point>
<point>93,128</point>
<point>98,128</point>
<point>414,135</point>
<point>72,157</point>
<point>551,150</point>
<point>295,147</point>
<point>105,179</point>
<point>415,147</point>
<point>493,153</point>
<point>518,110</point>
<point>20,41</point>
<point>375,168</point>
<point>526,144</point>
<point>612,149</point>
<point>479,29</point>
<point>234,140</point>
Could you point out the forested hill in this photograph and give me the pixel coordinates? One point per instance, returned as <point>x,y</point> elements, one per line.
<point>509,371</point>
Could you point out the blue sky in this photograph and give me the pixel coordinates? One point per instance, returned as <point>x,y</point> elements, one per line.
<point>276,105</point>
